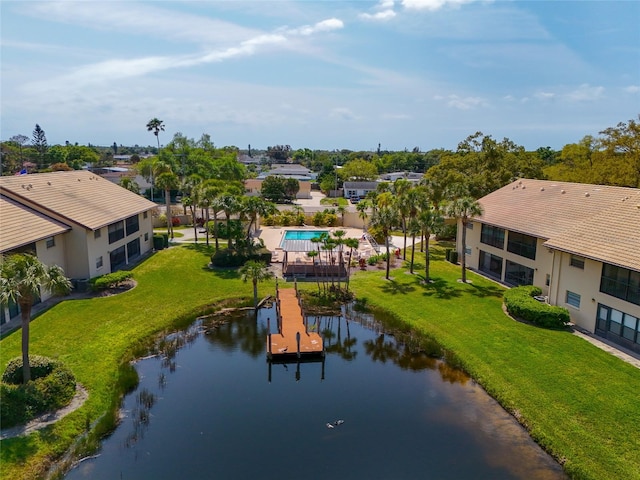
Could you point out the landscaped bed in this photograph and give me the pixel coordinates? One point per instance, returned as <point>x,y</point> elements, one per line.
<point>579,402</point>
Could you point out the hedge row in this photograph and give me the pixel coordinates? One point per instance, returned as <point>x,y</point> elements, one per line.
<point>521,304</point>
<point>232,258</point>
<point>110,280</point>
<point>52,387</point>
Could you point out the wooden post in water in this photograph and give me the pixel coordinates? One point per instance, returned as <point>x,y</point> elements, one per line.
<point>269,346</point>
<point>298,343</point>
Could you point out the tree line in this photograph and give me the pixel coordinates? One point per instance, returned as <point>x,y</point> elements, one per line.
<point>611,158</point>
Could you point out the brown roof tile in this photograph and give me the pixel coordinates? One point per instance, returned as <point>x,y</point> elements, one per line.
<point>19,225</point>
<point>79,196</point>
<point>595,221</point>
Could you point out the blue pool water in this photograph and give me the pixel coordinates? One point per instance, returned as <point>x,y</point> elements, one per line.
<point>302,234</point>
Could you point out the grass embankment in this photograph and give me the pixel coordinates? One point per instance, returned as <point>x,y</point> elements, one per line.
<point>579,402</point>
<point>93,337</point>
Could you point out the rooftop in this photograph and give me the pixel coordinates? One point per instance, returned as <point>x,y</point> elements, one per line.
<point>79,196</point>
<point>595,221</point>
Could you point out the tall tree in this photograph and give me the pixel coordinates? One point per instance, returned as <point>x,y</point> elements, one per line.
<point>362,207</point>
<point>168,181</point>
<point>385,217</point>
<point>21,141</point>
<point>462,209</point>
<point>156,126</point>
<point>22,276</point>
<point>256,272</point>
<point>39,141</point>
<point>130,184</point>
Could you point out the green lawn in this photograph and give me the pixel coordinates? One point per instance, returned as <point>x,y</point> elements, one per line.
<point>580,403</point>
<point>94,336</point>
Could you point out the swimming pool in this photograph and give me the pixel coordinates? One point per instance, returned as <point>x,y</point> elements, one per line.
<point>300,240</point>
<point>302,234</point>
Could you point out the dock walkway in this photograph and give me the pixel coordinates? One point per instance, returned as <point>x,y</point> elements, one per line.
<point>292,337</point>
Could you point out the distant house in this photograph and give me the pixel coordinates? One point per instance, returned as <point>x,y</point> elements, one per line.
<point>579,243</point>
<point>413,177</point>
<point>298,172</point>
<point>85,224</point>
<point>358,189</point>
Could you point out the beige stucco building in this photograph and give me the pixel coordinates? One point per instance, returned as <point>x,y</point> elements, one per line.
<point>579,243</point>
<point>77,220</point>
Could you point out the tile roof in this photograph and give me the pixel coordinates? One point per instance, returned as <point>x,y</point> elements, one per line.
<point>79,196</point>
<point>596,221</point>
<point>19,225</point>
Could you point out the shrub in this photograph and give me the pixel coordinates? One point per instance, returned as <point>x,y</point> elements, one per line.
<point>232,258</point>
<point>521,304</point>
<point>110,280</point>
<point>45,392</point>
<point>175,221</point>
<point>40,367</point>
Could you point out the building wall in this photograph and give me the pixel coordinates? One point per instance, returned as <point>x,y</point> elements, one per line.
<point>586,283</point>
<point>541,265</point>
<point>52,256</point>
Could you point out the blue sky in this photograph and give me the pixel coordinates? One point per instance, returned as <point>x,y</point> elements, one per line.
<point>320,74</point>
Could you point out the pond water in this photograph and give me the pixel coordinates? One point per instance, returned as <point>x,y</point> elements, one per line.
<point>215,408</point>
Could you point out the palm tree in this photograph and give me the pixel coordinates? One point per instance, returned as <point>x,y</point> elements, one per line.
<point>168,181</point>
<point>22,276</point>
<point>402,189</point>
<point>362,207</point>
<point>156,126</point>
<point>385,218</point>
<point>230,204</point>
<point>353,244</point>
<point>428,220</point>
<point>462,209</point>
<point>256,272</point>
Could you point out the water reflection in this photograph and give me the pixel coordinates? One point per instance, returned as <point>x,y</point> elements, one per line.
<point>205,406</point>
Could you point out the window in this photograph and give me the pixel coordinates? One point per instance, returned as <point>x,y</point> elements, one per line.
<point>620,283</point>
<point>146,237</point>
<point>99,262</point>
<point>470,225</point>
<point>491,235</point>
<point>516,274</point>
<point>619,327</point>
<point>117,258</point>
<point>523,245</point>
<point>573,299</point>
<point>97,233</point>
<point>144,215</point>
<point>467,250</point>
<point>51,242</point>
<point>133,249</point>
<point>116,231</point>
<point>547,280</point>
<point>577,262</point>
<point>132,224</point>
<point>490,264</point>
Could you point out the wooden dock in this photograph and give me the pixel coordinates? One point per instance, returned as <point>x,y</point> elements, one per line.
<point>293,337</point>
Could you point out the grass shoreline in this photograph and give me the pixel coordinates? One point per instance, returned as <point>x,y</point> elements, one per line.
<point>576,401</point>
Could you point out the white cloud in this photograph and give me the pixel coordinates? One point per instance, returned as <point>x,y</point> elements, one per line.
<point>343,113</point>
<point>462,103</point>
<point>323,26</point>
<point>432,4</point>
<point>632,89</point>
<point>383,11</point>
<point>378,16</point>
<point>585,92</point>
<point>545,95</point>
